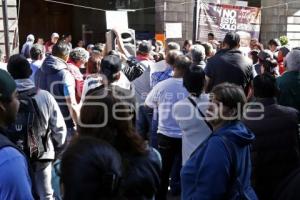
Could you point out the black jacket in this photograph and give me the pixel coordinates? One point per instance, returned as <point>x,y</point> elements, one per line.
<point>229,65</point>
<point>142,175</point>
<point>275,152</point>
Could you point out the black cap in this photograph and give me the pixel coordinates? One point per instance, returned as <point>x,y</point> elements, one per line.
<point>111,65</point>
<point>264,54</point>
<point>145,47</point>
<point>232,39</point>
<point>7,85</point>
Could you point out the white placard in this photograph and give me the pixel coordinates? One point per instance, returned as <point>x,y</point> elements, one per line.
<point>173,30</point>
<point>117,19</point>
<point>241,3</point>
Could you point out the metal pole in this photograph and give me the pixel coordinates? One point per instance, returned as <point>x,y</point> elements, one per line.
<point>165,18</point>
<point>195,20</point>
<point>6,31</point>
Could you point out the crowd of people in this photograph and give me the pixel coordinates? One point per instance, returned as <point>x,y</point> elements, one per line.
<point>205,121</point>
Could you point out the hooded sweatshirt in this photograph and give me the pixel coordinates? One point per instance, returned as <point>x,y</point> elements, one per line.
<point>52,116</point>
<point>207,175</point>
<point>54,77</point>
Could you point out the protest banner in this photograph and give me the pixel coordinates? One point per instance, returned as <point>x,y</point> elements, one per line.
<point>220,19</point>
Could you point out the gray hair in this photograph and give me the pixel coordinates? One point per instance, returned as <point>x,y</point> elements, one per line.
<point>79,54</point>
<point>173,46</point>
<point>36,50</point>
<point>292,61</point>
<point>197,53</point>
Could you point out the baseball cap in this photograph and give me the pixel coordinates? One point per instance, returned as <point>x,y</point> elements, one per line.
<point>145,47</point>
<point>232,39</point>
<point>7,85</point>
<point>54,35</point>
<point>110,65</point>
<point>264,54</point>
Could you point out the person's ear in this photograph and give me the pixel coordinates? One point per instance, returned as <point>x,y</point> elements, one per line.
<point>232,113</point>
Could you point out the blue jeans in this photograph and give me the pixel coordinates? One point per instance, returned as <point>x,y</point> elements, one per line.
<point>144,121</point>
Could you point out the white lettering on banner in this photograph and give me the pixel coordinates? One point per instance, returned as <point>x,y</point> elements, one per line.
<point>228,20</point>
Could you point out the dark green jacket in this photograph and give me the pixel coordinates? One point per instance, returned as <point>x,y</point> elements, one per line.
<point>289,85</point>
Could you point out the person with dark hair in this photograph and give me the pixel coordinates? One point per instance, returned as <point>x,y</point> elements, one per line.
<point>19,68</point>
<point>270,66</point>
<point>37,54</point>
<point>80,43</point>
<point>211,39</point>
<point>98,51</point>
<point>186,46</point>
<point>210,36</point>
<point>91,169</point>
<point>189,112</point>
<point>282,53</point>
<point>162,97</point>
<point>229,65</point>
<point>262,55</point>
<point>14,169</point>
<point>276,150</point>
<point>253,55</point>
<point>221,166</point>
<point>105,117</point>
<point>55,78</point>
<point>274,45</point>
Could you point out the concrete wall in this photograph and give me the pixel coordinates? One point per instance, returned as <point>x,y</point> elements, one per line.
<point>180,13</point>
<point>275,19</point>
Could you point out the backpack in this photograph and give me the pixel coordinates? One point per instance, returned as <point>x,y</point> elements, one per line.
<point>28,131</point>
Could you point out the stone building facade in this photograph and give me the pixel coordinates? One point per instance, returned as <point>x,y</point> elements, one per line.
<point>278,17</point>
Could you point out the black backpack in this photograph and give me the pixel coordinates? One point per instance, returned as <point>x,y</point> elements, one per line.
<point>133,69</point>
<point>29,132</point>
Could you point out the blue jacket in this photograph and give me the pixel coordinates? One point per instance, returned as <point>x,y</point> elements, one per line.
<point>15,182</point>
<point>54,77</point>
<point>208,175</point>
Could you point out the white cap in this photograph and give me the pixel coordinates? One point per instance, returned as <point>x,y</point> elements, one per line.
<point>30,37</point>
<point>54,35</point>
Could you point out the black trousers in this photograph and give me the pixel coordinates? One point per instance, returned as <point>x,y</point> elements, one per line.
<point>170,149</point>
